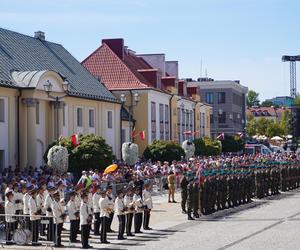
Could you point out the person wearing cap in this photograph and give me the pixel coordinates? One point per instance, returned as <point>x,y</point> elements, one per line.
<point>47,206</point>
<point>85,221</point>
<point>105,209</point>
<point>183,184</point>
<point>120,212</point>
<point>129,204</point>
<point>73,211</point>
<point>40,200</point>
<point>18,198</point>
<point>11,223</point>
<point>96,210</point>
<point>148,206</point>
<point>58,218</point>
<point>139,209</point>
<point>34,217</point>
<point>26,198</point>
<point>111,199</point>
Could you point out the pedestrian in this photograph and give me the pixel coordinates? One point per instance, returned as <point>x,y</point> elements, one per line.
<point>171,186</point>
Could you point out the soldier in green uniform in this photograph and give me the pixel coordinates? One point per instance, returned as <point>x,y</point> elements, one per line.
<point>196,199</point>
<point>190,199</point>
<point>184,184</point>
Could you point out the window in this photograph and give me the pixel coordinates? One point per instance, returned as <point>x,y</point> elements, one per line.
<point>221,97</point>
<point>222,117</point>
<point>192,121</point>
<point>79,117</point>
<point>153,120</point>
<point>91,118</point>
<point>211,119</point>
<point>161,122</point>
<point>37,113</point>
<point>123,135</point>
<point>109,119</point>
<point>2,110</point>
<point>167,121</point>
<point>64,115</point>
<point>178,123</point>
<point>182,123</point>
<point>209,97</point>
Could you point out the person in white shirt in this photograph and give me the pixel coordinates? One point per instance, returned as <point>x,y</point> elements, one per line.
<point>73,211</point>
<point>104,205</point>
<point>111,199</point>
<point>147,200</point>
<point>47,206</point>
<point>34,217</point>
<point>18,199</point>
<point>120,212</point>
<point>40,200</point>
<point>11,223</point>
<point>59,217</point>
<point>26,198</point>
<point>129,204</point>
<point>85,221</point>
<point>139,208</point>
<point>96,210</point>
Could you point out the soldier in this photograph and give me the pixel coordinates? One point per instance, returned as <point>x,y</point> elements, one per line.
<point>40,200</point>
<point>183,183</point>
<point>190,199</point>
<point>11,224</point>
<point>203,195</point>
<point>147,199</point>
<point>96,210</point>
<point>58,218</point>
<point>111,199</point>
<point>47,206</point>
<point>26,198</point>
<point>85,221</point>
<point>120,212</point>
<point>139,209</point>
<point>34,213</point>
<point>105,209</point>
<point>196,198</point>
<point>73,211</point>
<point>129,204</point>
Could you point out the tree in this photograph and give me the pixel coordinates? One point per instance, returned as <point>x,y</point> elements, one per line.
<point>206,147</point>
<point>232,144</point>
<point>286,122</point>
<point>163,151</point>
<point>297,99</point>
<point>274,129</point>
<point>267,103</point>
<point>92,152</point>
<point>252,98</point>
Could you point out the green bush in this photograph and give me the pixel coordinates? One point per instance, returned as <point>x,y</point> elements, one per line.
<point>232,144</point>
<point>206,147</point>
<point>163,151</point>
<point>92,152</point>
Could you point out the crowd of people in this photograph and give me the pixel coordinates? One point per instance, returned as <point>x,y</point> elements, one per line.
<point>46,199</point>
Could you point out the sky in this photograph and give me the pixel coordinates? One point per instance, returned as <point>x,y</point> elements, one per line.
<point>234,39</point>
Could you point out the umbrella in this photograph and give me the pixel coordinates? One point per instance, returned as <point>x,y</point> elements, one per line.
<point>111,168</point>
<point>276,138</point>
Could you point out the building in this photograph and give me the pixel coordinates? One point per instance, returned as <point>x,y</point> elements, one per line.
<point>149,87</point>
<point>285,101</point>
<point>270,113</point>
<point>228,101</point>
<point>45,93</point>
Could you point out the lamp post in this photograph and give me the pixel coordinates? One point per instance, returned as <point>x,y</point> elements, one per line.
<point>135,98</point>
<point>48,88</point>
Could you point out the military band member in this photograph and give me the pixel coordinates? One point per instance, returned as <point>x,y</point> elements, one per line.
<point>18,198</point>
<point>40,200</point>
<point>111,199</point>
<point>96,210</point>
<point>47,206</point>
<point>26,198</point>
<point>73,212</point>
<point>34,213</point>
<point>10,220</point>
<point>105,210</point>
<point>129,204</point>
<point>139,209</point>
<point>59,217</point>
<point>85,221</point>
<point>147,199</point>
<point>120,212</point>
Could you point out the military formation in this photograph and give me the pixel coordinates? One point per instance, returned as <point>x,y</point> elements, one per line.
<point>230,186</point>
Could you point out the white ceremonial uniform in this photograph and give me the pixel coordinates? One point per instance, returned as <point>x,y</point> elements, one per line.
<point>77,200</point>
<point>26,198</point>
<point>84,213</point>
<point>138,203</point>
<point>119,206</point>
<point>104,205</point>
<point>147,198</point>
<point>40,201</point>
<point>18,198</point>
<point>47,204</point>
<point>10,209</point>
<point>128,202</point>
<point>72,209</point>
<point>96,198</point>
<point>58,211</point>
<point>111,201</point>
<point>32,206</point>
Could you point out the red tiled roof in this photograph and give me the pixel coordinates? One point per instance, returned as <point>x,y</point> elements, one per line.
<point>114,72</point>
<point>266,111</point>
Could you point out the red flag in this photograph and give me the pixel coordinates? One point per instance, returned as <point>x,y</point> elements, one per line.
<point>189,132</point>
<point>142,135</point>
<point>133,133</point>
<point>220,136</point>
<point>75,141</point>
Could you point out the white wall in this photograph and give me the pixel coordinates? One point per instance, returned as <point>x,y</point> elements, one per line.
<point>109,134</point>
<point>4,143</point>
<point>41,135</point>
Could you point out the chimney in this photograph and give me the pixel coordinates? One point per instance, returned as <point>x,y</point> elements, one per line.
<point>116,45</point>
<point>39,35</point>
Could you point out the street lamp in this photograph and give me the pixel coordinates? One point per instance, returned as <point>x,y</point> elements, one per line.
<point>135,98</point>
<point>48,88</point>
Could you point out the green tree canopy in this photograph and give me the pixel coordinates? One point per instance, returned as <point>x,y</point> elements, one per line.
<point>267,103</point>
<point>252,98</point>
<point>207,146</point>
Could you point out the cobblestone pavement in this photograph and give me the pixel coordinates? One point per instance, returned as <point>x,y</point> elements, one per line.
<point>272,223</point>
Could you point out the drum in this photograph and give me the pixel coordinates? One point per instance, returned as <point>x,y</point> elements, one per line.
<point>22,237</point>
